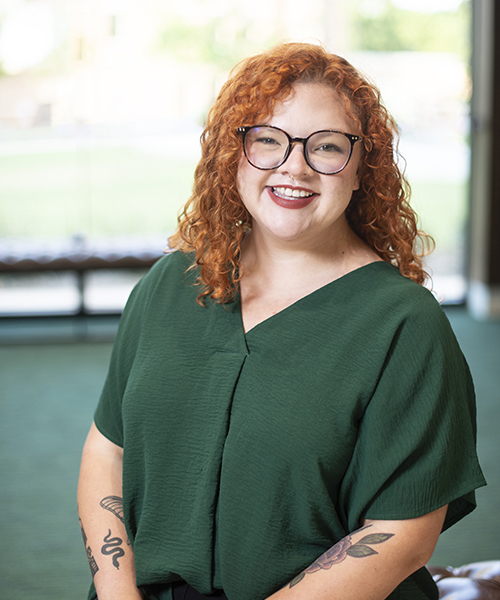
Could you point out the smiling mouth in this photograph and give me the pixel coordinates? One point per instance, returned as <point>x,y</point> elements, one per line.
<point>289,193</point>
<point>291,198</point>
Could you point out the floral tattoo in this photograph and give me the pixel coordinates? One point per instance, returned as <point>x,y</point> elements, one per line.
<point>336,554</point>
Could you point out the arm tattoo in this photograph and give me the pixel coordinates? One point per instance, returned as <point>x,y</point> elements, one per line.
<point>92,563</point>
<point>336,554</point>
<point>112,547</point>
<point>115,505</point>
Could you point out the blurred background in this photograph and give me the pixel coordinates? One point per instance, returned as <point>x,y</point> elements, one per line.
<point>101,106</point>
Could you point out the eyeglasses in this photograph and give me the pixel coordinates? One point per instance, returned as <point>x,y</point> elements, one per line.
<point>327,152</point>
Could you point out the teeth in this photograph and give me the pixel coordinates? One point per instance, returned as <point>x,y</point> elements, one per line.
<point>285,191</point>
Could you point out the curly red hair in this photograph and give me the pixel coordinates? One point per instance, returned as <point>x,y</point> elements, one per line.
<point>214,219</point>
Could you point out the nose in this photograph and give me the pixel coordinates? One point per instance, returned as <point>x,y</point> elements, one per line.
<point>296,165</point>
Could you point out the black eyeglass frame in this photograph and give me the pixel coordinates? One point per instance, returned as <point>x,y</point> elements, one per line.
<point>292,140</point>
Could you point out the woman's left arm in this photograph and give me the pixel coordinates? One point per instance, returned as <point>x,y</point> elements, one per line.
<point>369,563</point>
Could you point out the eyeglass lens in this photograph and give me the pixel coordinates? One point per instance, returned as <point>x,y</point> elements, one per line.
<point>326,151</point>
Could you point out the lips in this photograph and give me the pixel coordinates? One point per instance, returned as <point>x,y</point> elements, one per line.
<point>291,197</point>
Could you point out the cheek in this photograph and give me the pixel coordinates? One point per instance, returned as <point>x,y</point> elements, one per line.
<point>357,182</point>
<point>241,180</point>
<point>351,180</point>
<point>359,173</point>
<point>248,181</point>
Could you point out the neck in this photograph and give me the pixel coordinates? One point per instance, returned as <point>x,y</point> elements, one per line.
<point>278,274</point>
<point>287,259</point>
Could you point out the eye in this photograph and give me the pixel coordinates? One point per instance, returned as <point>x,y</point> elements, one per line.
<point>328,144</point>
<point>329,148</point>
<point>267,141</point>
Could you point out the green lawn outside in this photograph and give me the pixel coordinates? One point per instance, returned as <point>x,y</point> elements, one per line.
<point>117,191</point>
<point>99,192</point>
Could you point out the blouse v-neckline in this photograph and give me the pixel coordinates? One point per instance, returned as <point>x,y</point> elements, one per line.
<point>308,297</point>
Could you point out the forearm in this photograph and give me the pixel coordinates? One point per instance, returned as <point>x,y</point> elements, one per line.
<point>110,556</point>
<point>368,564</point>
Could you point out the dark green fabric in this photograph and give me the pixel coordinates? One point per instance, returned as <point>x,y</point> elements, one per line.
<point>247,456</point>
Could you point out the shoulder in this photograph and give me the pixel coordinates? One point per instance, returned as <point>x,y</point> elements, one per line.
<point>168,279</point>
<point>173,264</point>
<point>173,269</point>
<point>384,278</point>
<point>397,307</point>
<point>380,284</point>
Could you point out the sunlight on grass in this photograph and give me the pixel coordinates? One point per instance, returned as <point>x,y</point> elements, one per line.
<point>117,191</point>
<point>97,192</point>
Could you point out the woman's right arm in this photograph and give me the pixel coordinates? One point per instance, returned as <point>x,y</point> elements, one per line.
<point>100,509</point>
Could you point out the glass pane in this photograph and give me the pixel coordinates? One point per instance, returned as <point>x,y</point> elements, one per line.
<point>428,95</point>
<point>39,294</point>
<point>102,105</point>
<point>107,291</point>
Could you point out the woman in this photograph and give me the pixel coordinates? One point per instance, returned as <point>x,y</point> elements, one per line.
<point>287,413</point>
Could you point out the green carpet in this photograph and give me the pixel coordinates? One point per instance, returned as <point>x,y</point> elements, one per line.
<point>477,537</point>
<point>48,392</point>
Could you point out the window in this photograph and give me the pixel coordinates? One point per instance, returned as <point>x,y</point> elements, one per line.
<point>102,105</point>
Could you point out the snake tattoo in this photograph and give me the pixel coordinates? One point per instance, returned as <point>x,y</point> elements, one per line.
<point>112,547</point>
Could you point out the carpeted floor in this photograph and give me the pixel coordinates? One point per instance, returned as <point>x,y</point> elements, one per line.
<point>48,393</point>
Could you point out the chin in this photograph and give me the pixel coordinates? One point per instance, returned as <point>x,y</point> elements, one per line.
<point>286,233</point>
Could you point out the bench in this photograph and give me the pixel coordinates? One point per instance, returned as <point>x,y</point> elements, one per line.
<point>80,256</point>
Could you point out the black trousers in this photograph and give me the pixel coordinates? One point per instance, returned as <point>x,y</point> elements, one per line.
<point>183,591</point>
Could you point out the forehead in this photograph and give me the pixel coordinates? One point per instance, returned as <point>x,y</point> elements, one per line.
<point>311,107</point>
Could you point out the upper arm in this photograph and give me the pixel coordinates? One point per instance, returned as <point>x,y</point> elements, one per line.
<point>372,561</point>
<point>97,443</point>
<point>414,538</point>
<point>101,467</point>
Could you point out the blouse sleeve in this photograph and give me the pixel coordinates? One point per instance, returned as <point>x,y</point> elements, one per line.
<point>108,415</point>
<point>416,449</point>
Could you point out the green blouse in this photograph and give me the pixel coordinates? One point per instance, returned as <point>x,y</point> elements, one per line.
<point>246,456</point>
